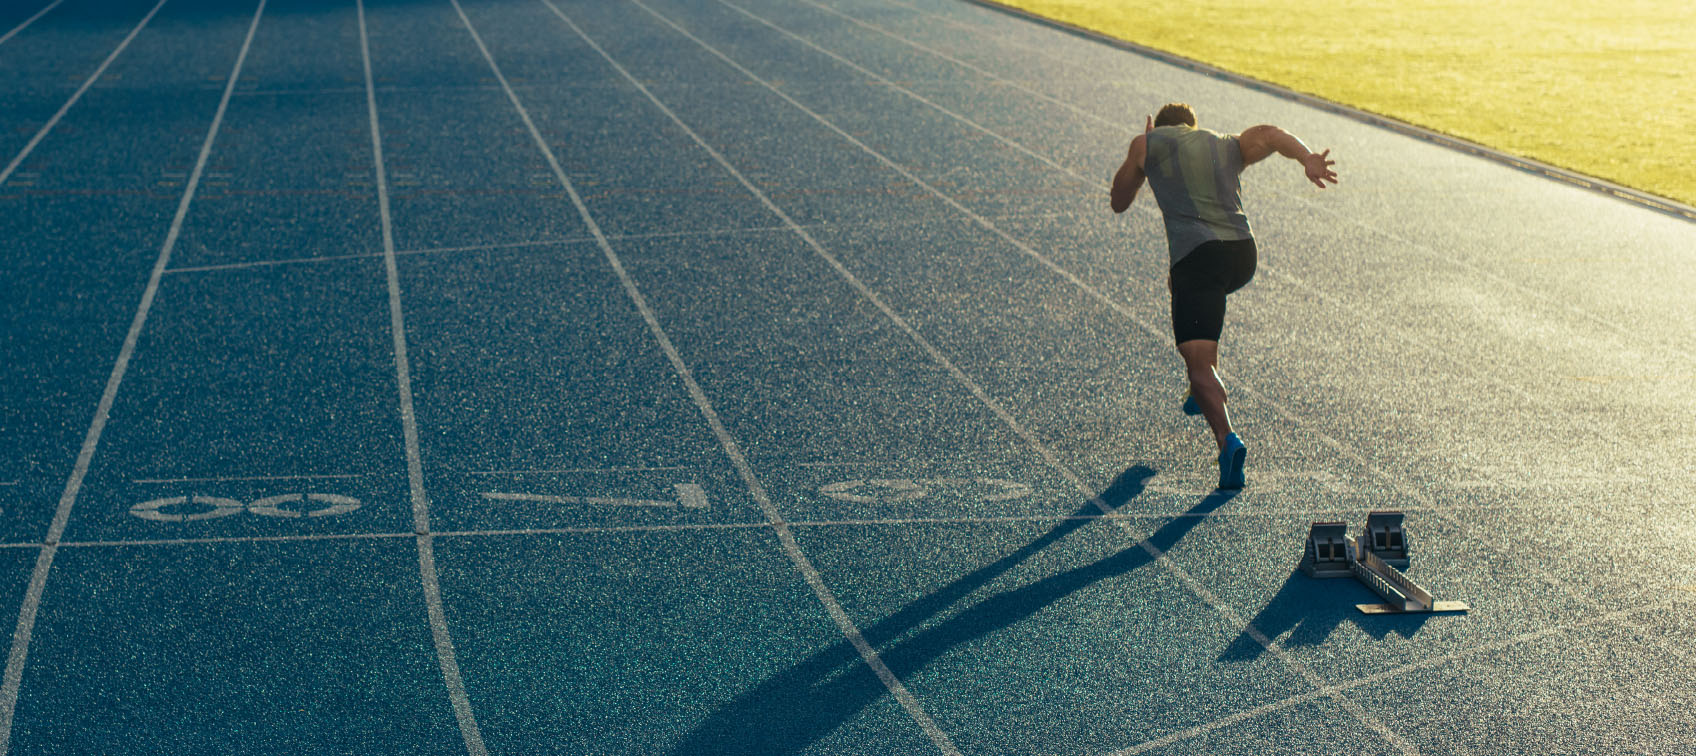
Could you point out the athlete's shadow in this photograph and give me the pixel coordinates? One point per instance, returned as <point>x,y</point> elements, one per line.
<point>1309,609</point>
<point>797,707</point>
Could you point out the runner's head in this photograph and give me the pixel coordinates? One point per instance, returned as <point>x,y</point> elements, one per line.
<point>1175,114</point>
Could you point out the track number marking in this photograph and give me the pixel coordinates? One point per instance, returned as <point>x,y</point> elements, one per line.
<point>190,508</point>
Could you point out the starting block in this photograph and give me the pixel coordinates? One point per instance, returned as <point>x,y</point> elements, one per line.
<point>1376,558</point>
<point>1327,551</point>
<point>1385,538</point>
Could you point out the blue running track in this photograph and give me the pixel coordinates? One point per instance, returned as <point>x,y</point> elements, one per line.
<point>771,377</point>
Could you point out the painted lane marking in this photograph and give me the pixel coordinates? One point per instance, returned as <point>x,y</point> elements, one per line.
<point>898,490</point>
<point>28,21</point>
<point>834,523</point>
<point>273,506</point>
<point>19,654</point>
<point>41,134</point>
<point>217,507</point>
<point>271,263</point>
<point>235,539</point>
<point>1270,481</point>
<point>689,496</point>
<point>562,241</point>
<point>686,527</point>
<point>732,449</point>
<point>151,481</point>
<point>270,506</point>
<point>567,470</point>
<point>446,658</point>
<point>1159,556</point>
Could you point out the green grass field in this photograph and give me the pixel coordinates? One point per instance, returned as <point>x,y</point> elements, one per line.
<point>1607,89</point>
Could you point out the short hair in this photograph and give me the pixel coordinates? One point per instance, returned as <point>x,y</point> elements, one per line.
<point>1174,114</point>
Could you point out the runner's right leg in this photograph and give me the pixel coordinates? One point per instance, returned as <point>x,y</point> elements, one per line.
<point>1200,357</point>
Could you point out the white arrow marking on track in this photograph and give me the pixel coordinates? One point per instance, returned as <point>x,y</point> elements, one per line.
<point>689,496</point>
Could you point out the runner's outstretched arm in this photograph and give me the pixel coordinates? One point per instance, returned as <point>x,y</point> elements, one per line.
<point>1260,141</point>
<point>1129,179</point>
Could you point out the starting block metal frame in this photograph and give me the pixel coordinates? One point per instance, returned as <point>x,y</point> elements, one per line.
<point>1376,558</point>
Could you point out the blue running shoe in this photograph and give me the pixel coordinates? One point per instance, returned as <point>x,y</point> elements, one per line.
<point>1231,461</point>
<point>1190,407</point>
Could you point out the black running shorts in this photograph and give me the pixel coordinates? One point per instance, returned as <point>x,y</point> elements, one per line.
<point>1200,282</point>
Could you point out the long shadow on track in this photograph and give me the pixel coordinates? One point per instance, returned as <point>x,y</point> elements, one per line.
<point>804,703</point>
<point>1309,610</point>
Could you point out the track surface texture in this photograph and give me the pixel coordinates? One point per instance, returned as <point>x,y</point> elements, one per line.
<point>771,377</point>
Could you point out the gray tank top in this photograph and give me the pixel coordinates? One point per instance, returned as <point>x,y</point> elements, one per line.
<point>1193,173</point>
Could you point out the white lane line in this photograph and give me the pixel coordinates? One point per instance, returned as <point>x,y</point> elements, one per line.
<point>62,515</point>
<point>370,255</point>
<point>591,530</point>
<point>563,530</point>
<point>690,496</point>
<point>28,21</point>
<point>680,527</point>
<point>151,481</point>
<point>445,655</point>
<point>1429,251</point>
<point>1147,209</point>
<point>270,263</point>
<point>233,539</point>
<point>576,240</point>
<point>578,470</point>
<point>1031,440</point>
<point>503,245</point>
<point>731,448</point>
<point>397,320</point>
<point>1622,615</point>
<point>6,173</point>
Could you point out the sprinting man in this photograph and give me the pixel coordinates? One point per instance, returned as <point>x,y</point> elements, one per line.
<point>1194,175</point>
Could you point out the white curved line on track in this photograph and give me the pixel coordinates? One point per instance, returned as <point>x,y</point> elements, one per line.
<point>446,658</point>
<point>19,654</point>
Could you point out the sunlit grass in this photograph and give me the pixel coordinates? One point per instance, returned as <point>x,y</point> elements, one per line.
<point>1607,89</point>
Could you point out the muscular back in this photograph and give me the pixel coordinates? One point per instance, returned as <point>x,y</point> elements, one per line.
<point>1194,174</point>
